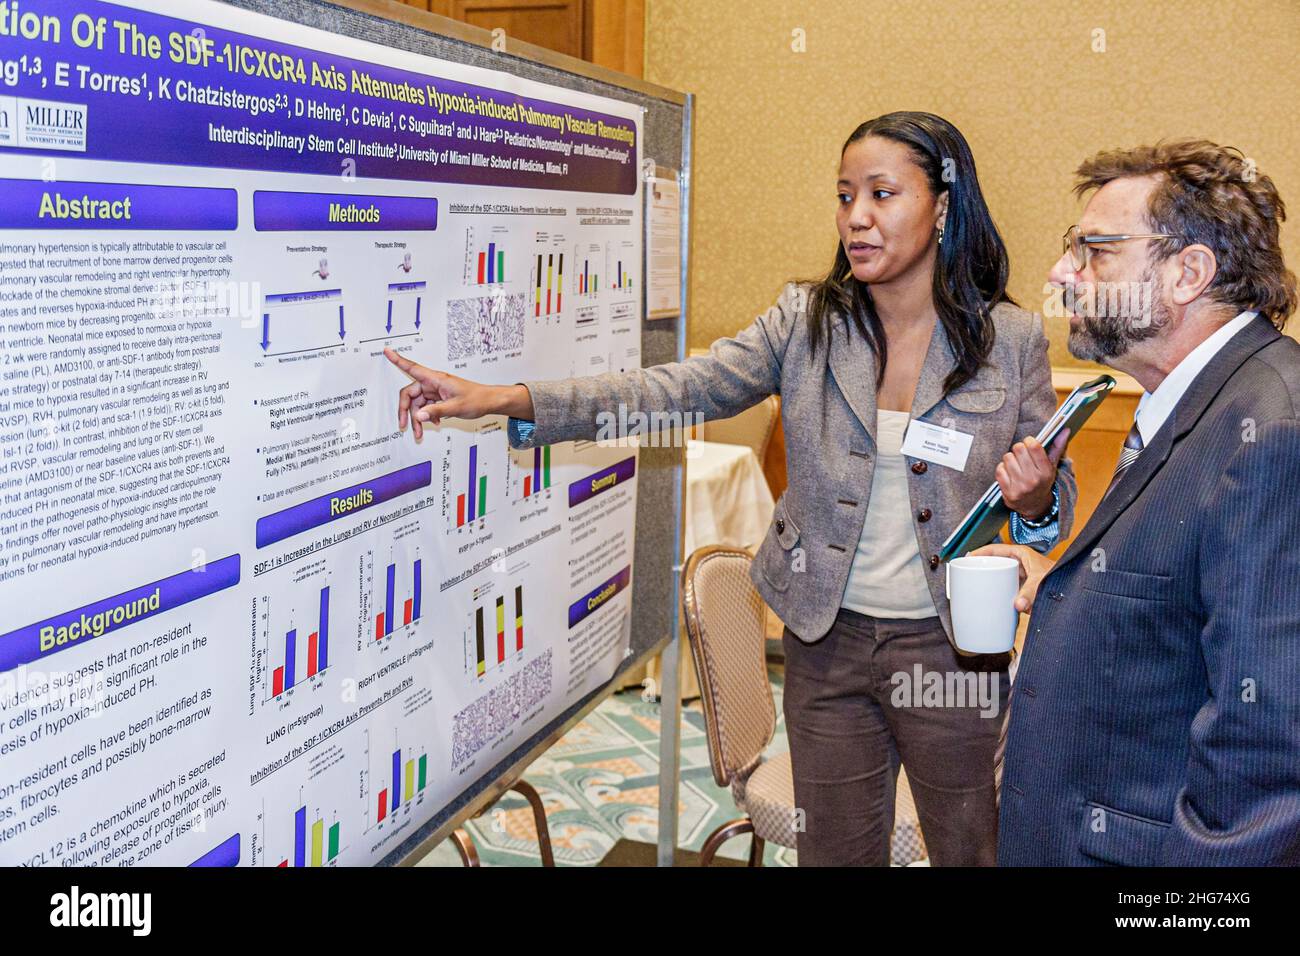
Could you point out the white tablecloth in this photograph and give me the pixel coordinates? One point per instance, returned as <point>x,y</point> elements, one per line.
<point>728,502</point>
<point>727,497</point>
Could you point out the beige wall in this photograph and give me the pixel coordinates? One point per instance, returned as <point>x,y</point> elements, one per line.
<point>1019,79</point>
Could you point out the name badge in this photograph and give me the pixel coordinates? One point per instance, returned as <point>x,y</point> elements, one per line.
<point>936,444</point>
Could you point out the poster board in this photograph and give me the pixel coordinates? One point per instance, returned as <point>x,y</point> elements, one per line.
<point>321,648</point>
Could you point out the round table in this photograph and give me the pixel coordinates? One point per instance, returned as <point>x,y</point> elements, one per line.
<point>728,502</point>
<point>727,497</point>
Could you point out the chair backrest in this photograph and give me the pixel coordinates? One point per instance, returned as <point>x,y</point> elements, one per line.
<point>725,626</point>
<point>754,427</point>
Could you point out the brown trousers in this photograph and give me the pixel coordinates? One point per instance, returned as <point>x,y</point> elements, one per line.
<point>856,705</point>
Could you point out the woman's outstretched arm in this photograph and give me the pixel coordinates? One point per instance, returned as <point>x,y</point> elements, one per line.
<point>738,372</point>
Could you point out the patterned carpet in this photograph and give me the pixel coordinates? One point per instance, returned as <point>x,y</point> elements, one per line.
<point>600,783</point>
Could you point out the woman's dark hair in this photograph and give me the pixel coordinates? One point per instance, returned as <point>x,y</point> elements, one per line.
<point>970,274</point>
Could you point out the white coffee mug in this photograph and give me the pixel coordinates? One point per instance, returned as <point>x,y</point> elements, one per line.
<point>980,591</point>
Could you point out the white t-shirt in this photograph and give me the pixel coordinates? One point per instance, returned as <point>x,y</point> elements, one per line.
<point>888,576</point>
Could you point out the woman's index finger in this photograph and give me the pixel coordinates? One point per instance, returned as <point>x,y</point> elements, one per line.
<point>401,361</point>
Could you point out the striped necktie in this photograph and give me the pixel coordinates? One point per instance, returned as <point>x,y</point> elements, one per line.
<point>1127,455</point>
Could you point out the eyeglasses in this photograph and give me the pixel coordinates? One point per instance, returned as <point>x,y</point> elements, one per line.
<point>1076,243</point>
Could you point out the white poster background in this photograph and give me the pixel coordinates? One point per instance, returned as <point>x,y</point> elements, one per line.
<point>181,745</point>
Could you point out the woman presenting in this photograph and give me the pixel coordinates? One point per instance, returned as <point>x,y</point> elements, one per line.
<point>911,329</point>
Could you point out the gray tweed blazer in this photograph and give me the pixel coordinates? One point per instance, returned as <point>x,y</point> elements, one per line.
<point>828,408</point>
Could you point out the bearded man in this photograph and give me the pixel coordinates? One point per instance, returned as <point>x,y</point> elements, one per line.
<point>1155,715</point>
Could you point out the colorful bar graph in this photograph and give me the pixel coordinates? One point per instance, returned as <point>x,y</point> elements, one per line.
<point>554,284</point>
<point>492,265</point>
<point>409,778</point>
<point>321,852</point>
<point>286,677</point>
<point>541,476</point>
<point>379,626</point>
<point>482,495</point>
<point>460,510</point>
<point>406,611</point>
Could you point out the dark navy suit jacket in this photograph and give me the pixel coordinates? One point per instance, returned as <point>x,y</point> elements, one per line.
<point>1155,716</point>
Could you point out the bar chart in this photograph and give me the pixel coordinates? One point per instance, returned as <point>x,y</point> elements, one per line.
<point>587,264</point>
<point>396,778</point>
<point>547,284</point>
<point>530,472</point>
<point>619,264</point>
<point>298,652</point>
<point>472,502</point>
<point>320,849</point>
<point>393,594</point>
<point>493,637</point>
<point>293,830</point>
<point>485,256</point>
<point>473,476</point>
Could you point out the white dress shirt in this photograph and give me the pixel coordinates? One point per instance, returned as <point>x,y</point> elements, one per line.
<point>1154,407</point>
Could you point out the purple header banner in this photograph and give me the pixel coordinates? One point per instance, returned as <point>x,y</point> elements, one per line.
<point>603,480</point>
<point>36,204</point>
<point>150,88</point>
<point>314,212</point>
<point>598,597</point>
<point>73,628</point>
<point>341,504</point>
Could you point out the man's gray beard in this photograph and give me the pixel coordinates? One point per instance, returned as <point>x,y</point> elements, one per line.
<point>1101,337</point>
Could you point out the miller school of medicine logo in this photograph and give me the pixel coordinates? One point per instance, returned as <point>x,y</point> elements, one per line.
<point>42,124</point>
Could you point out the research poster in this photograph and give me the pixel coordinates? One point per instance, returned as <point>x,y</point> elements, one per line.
<point>243,619</point>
